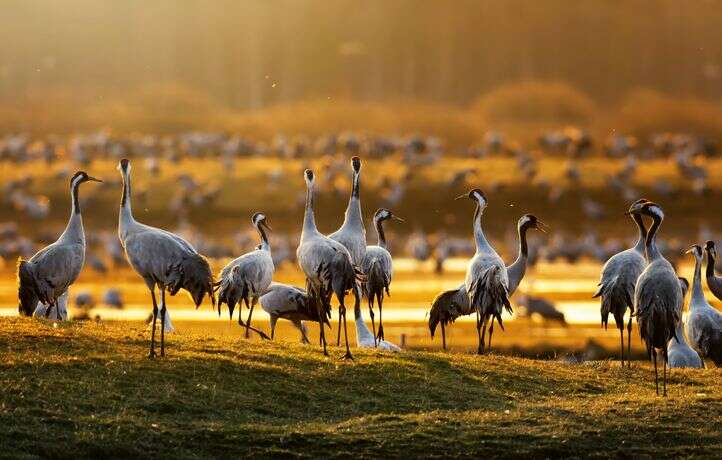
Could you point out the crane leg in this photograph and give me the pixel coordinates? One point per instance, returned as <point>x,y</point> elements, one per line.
<point>250,313</point>
<point>321,315</point>
<point>342,317</point>
<point>162,322</point>
<point>479,333</point>
<point>664,356</point>
<point>338,333</point>
<point>621,338</point>
<point>155,317</point>
<point>656,376</point>
<point>443,335</point>
<point>491,332</point>
<point>380,301</point>
<point>373,321</point>
<point>274,320</point>
<point>47,310</point>
<point>629,340</point>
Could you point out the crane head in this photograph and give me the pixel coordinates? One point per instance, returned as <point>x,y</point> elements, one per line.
<point>308,176</point>
<point>80,177</point>
<point>124,165</point>
<point>710,248</point>
<point>356,164</point>
<point>384,214</point>
<point>531,221</point>
<point>695,250</point>
<point>259,220</point>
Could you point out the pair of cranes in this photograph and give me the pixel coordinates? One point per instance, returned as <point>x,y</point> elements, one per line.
<point>642,280</point>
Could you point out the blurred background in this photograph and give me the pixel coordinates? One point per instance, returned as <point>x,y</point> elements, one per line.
<point>566,109</point>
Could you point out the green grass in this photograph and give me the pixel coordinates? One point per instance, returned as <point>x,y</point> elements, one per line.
<point>86,389</point>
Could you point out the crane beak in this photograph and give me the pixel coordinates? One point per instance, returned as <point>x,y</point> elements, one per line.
<point>690,250</point>
<point>461,196</point>
<point>268,227</point>
<point>393,216</point>
<point>94,179</point>
<point>542,227</point>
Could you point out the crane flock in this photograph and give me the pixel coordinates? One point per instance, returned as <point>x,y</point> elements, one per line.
<point>639,279</point>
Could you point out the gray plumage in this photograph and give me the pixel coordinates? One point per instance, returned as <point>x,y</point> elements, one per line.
<point>681,355</point>
<point>617,283</point>
<point>161,258</point>
<point>377,265</point>
<point>451,304</point>
<point>448,306</point>
<point>51,271</point>
<point>714,282</point>
<point>658,295</point>
<point>327,266</point>
<point>292,303</point>
<point>704,323</point>
<point>517,270</point>
<point>248,276</point>
<point>487,281</point>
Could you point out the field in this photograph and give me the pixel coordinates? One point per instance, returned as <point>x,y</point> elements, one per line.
<point>86,390</point>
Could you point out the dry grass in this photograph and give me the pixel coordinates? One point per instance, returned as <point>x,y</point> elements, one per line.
<point>84,389</point>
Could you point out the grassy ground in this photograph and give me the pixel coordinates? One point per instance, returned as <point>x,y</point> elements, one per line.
<point>86,389</point>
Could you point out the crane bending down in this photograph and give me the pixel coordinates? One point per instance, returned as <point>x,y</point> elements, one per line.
<point>247,276</point>
<point>291,303</point>
<point>327,266</point>
<point>49,273</point>
<point>454,303</point>
<point>658,295</point>
<point>704,323</point>
<point>162,259</point>
<point>352,233</point>
<point>378,267</point>
<point>616,286</point>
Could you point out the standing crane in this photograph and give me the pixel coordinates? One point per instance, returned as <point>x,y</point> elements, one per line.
<point>328,268</point>
<point>247,276</point>
<point>616,287</point>
<point>378,267</point>
<point>163,259</point>
<point>658,295</point>
<point>49,273</point>
<point>487,281</point>
<point>352,233</point>
<point>704,323</point>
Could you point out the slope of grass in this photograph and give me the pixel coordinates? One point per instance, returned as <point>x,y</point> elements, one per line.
<point>86,389</point>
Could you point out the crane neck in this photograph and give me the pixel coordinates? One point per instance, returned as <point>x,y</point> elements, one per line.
<point>697,292</point>
<point>309,222</point>
<point>125,216</point>
<point>479,238</point>
<point>523,246</point>
<point>641,242</point>
<point>352,216</point>
<point>378,223</point>
<point>74,230</point>
<point>265,245</point>
<point>651,239</point>
<point>710,265</point>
